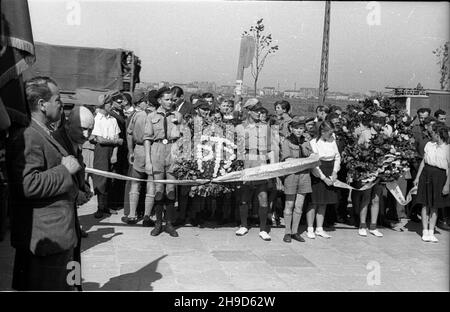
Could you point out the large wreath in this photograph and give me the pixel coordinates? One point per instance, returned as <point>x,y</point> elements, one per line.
<point>204,162</point>
<point>386,158</point>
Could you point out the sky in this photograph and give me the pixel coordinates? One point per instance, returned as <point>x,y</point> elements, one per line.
<point>184,41</point>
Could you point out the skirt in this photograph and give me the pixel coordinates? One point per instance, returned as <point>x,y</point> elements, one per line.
<point>431,183</point>
<point>323,194</point>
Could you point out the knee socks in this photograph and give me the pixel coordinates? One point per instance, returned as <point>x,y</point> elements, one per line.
<point>288,222</point>
<point>263,217</point>
<point>170,211</point>
<point>159,210</point>
<point>296,220</point>
<point>243,212</point>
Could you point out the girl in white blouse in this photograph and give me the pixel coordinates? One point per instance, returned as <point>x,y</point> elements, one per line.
<point>323,191</point>
<point>433,180</point>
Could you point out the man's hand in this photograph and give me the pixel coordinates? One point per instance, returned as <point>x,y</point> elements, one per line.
<point>71,164</point>
<point>148,168</point>
<point>114,158</point>
<point>446,189</point>
<point>118,141</point>
<point>416,182</point>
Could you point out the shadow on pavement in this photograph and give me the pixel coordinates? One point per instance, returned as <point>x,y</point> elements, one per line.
<point>97,237</point>
<point>140,280</point>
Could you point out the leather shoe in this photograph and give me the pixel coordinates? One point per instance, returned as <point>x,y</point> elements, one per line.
<point>171,230</point>
<point>157,229</point>
<point>298,238</point>
<point>128,220</point>
<point>287,238</point>
<point>147,222</point>
<point>98,214</point>
<point>443,225</point>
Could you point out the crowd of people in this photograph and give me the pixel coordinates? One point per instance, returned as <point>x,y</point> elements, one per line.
<point>140,131</point>
<point>135,136</point>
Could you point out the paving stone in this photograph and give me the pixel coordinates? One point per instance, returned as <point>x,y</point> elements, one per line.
<point>120,257</point>
<point>288,260</point>
<point>235,255</point>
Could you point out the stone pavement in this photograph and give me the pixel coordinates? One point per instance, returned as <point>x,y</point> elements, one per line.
<point>117,256</point>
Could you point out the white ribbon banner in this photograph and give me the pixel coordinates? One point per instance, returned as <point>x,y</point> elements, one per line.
<point>265,172</point>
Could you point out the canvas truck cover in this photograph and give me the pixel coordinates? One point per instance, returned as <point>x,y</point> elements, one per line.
<point>78,67</point>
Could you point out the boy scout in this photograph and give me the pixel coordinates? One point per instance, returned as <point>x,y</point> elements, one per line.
<point>258,150</point>
<point>161,131</point>
<point>135,135</point>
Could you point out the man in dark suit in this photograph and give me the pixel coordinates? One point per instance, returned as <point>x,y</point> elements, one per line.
<point>76,131</point>
<point>181,105</point>
<point>43,193</point>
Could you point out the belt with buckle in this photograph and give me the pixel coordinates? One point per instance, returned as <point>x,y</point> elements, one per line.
<point>164,141</point>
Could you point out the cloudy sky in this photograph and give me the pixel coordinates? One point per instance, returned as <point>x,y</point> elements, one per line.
<point>183,41</point>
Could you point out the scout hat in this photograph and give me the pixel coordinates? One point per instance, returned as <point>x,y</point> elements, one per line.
<point>109,97</point>
<point>251,103</point>
<point>139,95</point>
<point>297,121</point>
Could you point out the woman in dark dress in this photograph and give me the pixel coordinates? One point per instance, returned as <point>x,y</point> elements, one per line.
<point>322,178</point>
<point>433,180</point>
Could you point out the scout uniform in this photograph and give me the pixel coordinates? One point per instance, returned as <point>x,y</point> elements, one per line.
<point>136,129</point>
<point>298,183</point>
<point>162,130</point>
<point>258,139</point>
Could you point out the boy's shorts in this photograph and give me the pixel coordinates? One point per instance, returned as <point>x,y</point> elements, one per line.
<point>299,183</point>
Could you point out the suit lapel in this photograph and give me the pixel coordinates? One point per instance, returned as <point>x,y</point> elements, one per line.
<point>47,137</point>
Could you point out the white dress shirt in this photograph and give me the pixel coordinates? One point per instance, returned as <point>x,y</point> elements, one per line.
<point>437,155</point>
<point>105,126</point>
<point>327,151</point>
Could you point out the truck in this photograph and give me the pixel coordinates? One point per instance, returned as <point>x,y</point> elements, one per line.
<point>84,73</point>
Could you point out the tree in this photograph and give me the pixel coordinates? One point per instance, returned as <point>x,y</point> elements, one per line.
<point>444,64</point>
<point>263,47</point>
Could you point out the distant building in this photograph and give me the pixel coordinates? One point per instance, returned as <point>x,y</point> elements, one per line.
<point>307,93</point>
<point>205,86</point>
<point>268,91</point>
<point>292,94</point>
<point>190,88</point>
<point>413,99</point>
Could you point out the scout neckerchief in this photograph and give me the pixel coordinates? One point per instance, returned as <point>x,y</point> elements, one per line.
<point>297,141</point>
<point>165,115</point>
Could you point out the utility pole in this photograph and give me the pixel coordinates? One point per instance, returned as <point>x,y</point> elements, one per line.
<point>323,83</point>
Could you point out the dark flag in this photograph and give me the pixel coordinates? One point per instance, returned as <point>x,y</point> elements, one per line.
<point>16,55</point>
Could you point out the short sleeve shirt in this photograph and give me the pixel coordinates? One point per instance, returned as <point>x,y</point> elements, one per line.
<point>105,126</point>
<point>154,125</point>
<point>136,127</point>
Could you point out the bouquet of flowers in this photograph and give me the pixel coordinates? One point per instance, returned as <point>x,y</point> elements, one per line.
<point>207,161</point>
<point>386,157</point>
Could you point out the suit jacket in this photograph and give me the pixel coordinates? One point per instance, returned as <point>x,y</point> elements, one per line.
<point>186,108</point>
<point>43,193</point>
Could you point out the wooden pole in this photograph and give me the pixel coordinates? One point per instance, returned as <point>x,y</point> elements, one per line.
<point>323,83</point>
<point>132,74</point>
